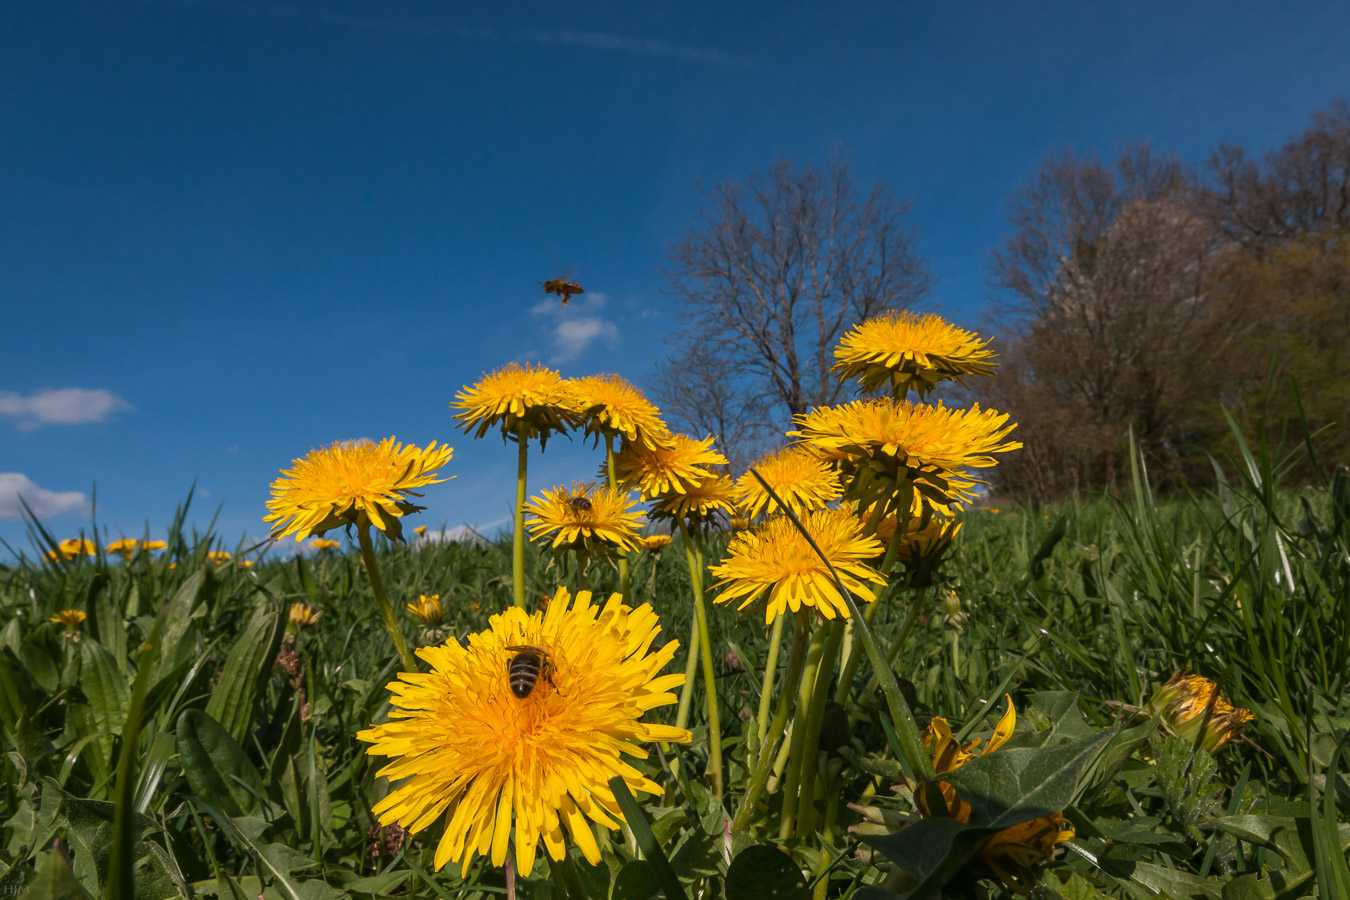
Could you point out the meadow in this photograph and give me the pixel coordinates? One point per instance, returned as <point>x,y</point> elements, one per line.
<point>1128,697</point>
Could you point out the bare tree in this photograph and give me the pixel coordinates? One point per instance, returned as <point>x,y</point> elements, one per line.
<point>769,277</point>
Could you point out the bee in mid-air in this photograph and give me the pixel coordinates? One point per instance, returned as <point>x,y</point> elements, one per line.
<point>563,288</point>
<point>524,670</point>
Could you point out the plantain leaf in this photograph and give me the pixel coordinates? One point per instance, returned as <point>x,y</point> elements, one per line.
<point>217,769</point>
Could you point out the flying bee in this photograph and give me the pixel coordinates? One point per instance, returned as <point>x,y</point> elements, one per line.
<point>524,670</point>
<point>563,288</point>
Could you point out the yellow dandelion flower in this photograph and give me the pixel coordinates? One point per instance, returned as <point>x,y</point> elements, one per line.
<point>73,619</point>
<point>323,545</point>
<point>420,530</point>
<point>219,557</point>
<point>612,406</point>
<point>302,615</point>
<point>427,608</point>
<point>654,542</point>
<point>667,470</point>
<point>529,401</point>
<point>800,478</point>
<point>777,559</point>
<point>922,541</point>
<point>906,350</point>
<point>125,547</point>
<point>351,483</point>
<point>1192,707</point>
<point>893,444</point>
<point>584,517</point>
<point>72,548</point>
<point>698,502</point>
<point>488,755</point>
<point>245,564</point>
<point>1013,850</point>
<point>739,523</point>
<point>154,545</point>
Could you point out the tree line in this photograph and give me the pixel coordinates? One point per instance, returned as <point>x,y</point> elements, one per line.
<point>1140,296</point>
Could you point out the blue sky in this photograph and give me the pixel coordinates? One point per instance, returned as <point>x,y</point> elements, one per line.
<point>233,230</point>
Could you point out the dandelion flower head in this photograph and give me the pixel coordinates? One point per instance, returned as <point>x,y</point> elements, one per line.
<point>775,558</point>
<point>302,615</point>
<point>524,401</point>
<point>1191,707</point>
<point>612,406</point>
<point>905,350</point>
<point>471,752</point>
<point>125,547</point>
<point>352,483</point>
<point>671,469</point>
<point>428,608</point>
<point>654,542</point>
<point>71,618</point>
<point>324,545</point>
<point>700,501</point>
<point>584,515</point>
<point>72,548</point>
<point>800,478</point>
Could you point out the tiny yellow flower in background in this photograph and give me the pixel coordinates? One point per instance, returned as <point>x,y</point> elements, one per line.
<point>71,618</point>
<point>154,545</point>
<point>125,547</point>
<point>612,406</point>
<point>584,516</point>
<point>489,761</point>
<point>323,545</point>
<point>245,564</point>
<point>655,542</point>
<point>529,401</point>
<point>776,558</point>
<point>72,548</point>
<point>420,530</point>
<point>1192,707</point>
<point>801,479</point>
<point>427,608</point>
<point>665,470</point>
<point>700,501</point>
<point>303,616</point>
<point>905,350</point>
<point>1013,850</point>
<point>219,556</point>
<point>351,483</point>
<point>739,523</point>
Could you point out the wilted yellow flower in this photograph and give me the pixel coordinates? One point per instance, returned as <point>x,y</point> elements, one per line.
<point>584,517</point>
<point>524,401</point>
<point>72,548</point>
<point>699,501</point>
<point>427,608</point>
<point>323,545</point>
<point>71,618</point>
<point>219,556</point>
<point>1011,851</point>
<point>905,350</point>
<point>655,541</point>
<point>1192,707</point>
<point>352,483</point>
<point>670,469</point>
<point>303,616</point>
<point>776,558</point>
<point>490,761</point>
<point>801,479</point>
<point>125,547</point>
<point>612,406</point>
<point>884,446</point>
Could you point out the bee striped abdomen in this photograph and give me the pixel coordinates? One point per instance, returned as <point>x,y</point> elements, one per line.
<point>524,670</point>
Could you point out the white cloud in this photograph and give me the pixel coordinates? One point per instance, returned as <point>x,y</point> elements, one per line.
<point>62,406</point>
<point>574,336</point>
<point>462,533</point>
<point>44,503</point>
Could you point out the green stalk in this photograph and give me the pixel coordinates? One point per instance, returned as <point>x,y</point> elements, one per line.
<point>625,585</point>
<point>381,598</point>
<point>797,748</point>
<point>911,616</point>
<point>764,763</point>
<point>518,529</point>
<point>914,757</point>
<point>855,652</point>
<point>694,556</point>
<point>766,687</point>
<point>690,675</point>
<point>820,692</point>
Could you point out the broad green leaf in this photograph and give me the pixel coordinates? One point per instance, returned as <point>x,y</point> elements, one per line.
<point>1008,787</point>
<point>54,880</point>
<point>105,685</point>
<point>1290,837</point>
<point>234,701</point>
<point>15,691</point>
<point>765,873</point>
<point>215,764</point>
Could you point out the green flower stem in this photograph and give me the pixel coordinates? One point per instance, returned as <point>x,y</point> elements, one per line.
<point>764,762</point>
<point>690,675</point>
<point>800,728</point>
<point>518,530</point>
<point>855,652</point>
<point>381,598</point>
<point>766,687</point>
<point>625,584</point>
<point>911,616</point>
<point>820,692</point>
<point>913,756</point>
<point>694,555</point>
